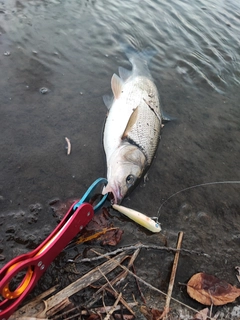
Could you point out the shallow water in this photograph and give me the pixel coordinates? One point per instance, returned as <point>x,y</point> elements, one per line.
<point>72,48</point>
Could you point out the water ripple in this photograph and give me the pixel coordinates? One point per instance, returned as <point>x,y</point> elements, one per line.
<point>202,36</point>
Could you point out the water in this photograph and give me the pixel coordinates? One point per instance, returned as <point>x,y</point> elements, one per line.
<point>72,48</point>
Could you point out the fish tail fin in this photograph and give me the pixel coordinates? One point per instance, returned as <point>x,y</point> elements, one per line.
<point>139,59</point>
<point>143,55</point>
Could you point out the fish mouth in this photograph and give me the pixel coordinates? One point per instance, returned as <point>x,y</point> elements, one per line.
<point>114,194</point>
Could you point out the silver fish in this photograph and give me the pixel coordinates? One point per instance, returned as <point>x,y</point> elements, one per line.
<point>132,128</point>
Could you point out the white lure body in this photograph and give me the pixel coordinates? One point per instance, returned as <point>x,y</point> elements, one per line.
<point>139,218</point>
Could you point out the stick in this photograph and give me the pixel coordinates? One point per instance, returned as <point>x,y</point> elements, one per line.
<point>138,285</point>
<point>34,306</point>
<point>141,246</point>
<point>68,146</point>
<point>126,305</point>
<point>173,274</point>
<point>58,307</point>
<point>122,275</point>
<point>85,312</point>
<point>113,307</point>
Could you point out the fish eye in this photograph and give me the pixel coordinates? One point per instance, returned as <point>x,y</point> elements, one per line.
<point>130,180</point>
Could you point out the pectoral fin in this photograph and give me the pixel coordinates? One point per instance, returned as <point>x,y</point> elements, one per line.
<point>131,122</point>
<point>108,100</point>
<point>116,84</point>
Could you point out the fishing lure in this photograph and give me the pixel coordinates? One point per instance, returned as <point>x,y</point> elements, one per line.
<point>139,218</point>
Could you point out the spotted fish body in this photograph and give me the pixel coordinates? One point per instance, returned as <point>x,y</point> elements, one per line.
<point>132,128</point>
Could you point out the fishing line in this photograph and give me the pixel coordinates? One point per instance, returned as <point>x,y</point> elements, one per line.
<point>193,187</point>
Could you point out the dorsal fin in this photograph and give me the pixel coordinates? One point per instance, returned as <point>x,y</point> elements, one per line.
<point>132,120</point>
<point>116,84</point>
<point>124,73</point>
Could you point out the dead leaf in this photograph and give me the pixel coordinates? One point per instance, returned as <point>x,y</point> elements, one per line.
<point>112,237</point>
<point>96,235</point>
<point>94,316</point>
<point>202,314</point>
<point>101,228</point>
<point>151,314</point>
<point>205,314</point>
<point>60,208</point>
<point>209,290</point>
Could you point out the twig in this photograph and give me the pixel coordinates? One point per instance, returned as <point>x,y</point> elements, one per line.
<point>138,285</point>
<point>126,305</point>
<point>58,307</point>
<point>113,307</point>
<point>139,246</point>
<point>107,308</point>
<point>173,274</point>
<point>31,306</point>
<point>117,280</point>
<point>154,288</point>
<point>68,146</point>
<point>107,280</point>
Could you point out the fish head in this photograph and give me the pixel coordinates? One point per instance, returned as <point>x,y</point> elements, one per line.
<point>125,168</point>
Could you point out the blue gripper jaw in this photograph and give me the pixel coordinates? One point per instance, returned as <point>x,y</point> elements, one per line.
<point>96,187</point>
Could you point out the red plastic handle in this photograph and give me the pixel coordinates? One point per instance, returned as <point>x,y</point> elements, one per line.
<point>38,260</point>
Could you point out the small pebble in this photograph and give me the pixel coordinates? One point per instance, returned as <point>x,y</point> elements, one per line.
<point>7,53</point>
<point>43,90</point>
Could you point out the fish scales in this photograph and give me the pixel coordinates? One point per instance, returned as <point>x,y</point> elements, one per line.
<point>145,131</point>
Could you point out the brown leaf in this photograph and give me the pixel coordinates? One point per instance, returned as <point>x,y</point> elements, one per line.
<point>151,314</point>
<point>60,208</point>
<point>209,290</point>
<point>205,314</point>
<point>94,316</point>
<point>202,314</point>
<point>100,227</point>
<point>88,237</point>
<point>112,237</point>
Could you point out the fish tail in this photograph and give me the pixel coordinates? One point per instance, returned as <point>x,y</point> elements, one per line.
<point>144,55</point>
<point>139,59</point>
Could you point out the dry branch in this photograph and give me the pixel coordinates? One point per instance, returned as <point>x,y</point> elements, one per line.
<point>35,304</point>
<point>173,274</point>
<point>113,307</point>
<point>126,305</point>
<point>116,280</point>
<point>140,246</point>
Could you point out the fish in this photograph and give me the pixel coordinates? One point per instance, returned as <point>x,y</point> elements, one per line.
<point>132,127</point>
